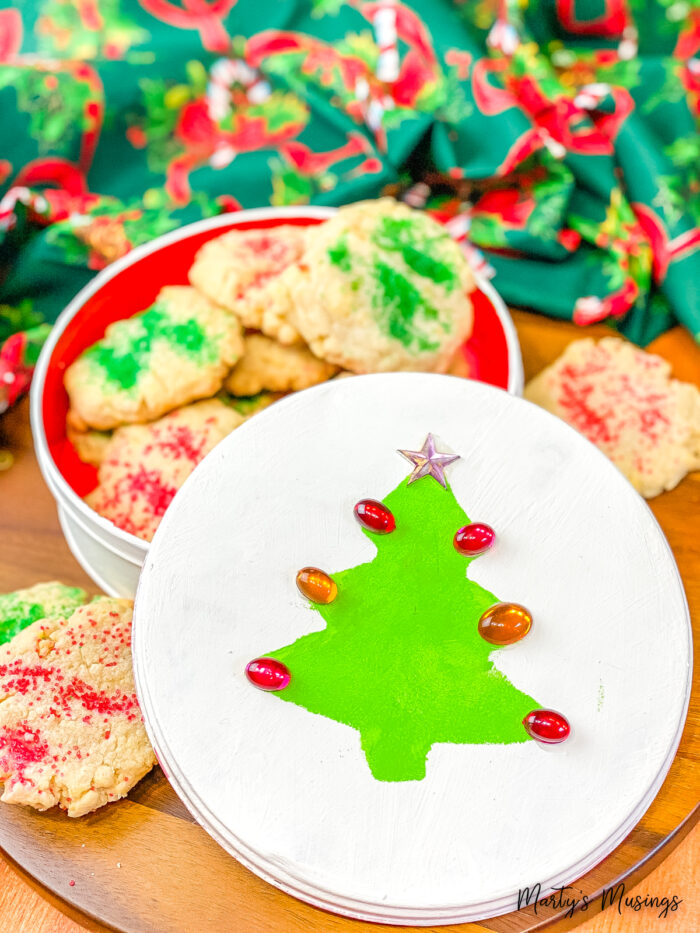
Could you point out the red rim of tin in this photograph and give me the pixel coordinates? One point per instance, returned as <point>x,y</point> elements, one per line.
<point>131,284</point>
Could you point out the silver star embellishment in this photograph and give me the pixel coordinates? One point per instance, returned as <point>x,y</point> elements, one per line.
<point>428,462</point>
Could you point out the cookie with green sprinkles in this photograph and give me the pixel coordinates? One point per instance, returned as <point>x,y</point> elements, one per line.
<point>177,351</point>
<point>381,287</point>
<point>43,600</point>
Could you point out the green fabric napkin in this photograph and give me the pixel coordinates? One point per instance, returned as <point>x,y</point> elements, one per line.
<point>559,136</point>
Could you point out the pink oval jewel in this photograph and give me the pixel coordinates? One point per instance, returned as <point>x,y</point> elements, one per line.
<point>547,726</point>
<point>268,674</point>
<point>474,539</point>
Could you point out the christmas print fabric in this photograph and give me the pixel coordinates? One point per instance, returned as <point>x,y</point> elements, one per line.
<point>559,136</point>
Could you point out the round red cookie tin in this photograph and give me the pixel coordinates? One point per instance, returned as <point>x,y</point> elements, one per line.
<point>112,557</point>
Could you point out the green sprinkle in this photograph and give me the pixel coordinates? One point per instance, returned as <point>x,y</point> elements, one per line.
<point>339,254</point>
<point>122,368</point>
<point>427,267</point>
<point>125,354</point>
<point>417,248</point>
<point>248,404</point>
<point>16,616</point>
<point>400,304</point>
<point>21,608</point>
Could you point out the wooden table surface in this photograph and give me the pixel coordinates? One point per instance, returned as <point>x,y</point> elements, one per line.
<point>32,549</point>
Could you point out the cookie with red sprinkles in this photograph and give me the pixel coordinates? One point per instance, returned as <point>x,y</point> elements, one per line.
<point>144,465</point>
<point>625,401</point>
<point>240,270</point>
<point>71,731</point>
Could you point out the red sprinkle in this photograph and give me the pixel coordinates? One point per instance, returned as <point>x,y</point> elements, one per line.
<point>629,403</point>
<point>144,485</point>
<point>95,701</point>
<point>20,747</point>
<point>179,441</point>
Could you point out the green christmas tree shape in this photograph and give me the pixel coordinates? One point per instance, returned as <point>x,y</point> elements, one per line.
<point>400,658</point>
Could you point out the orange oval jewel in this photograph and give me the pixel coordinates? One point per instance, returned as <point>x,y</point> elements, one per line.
<point>505,623</point>
<point>316,585</point>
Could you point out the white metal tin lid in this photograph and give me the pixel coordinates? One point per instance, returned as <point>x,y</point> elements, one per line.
<point>289,792</point>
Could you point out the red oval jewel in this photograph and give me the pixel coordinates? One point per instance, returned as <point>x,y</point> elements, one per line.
<point>474,539</point>
<point>546,725</point>
<point>268,674</point>
<point>374,516</point>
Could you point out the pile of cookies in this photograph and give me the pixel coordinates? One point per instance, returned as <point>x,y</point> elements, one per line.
<point>71,731</point>
<point>379,287</point>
